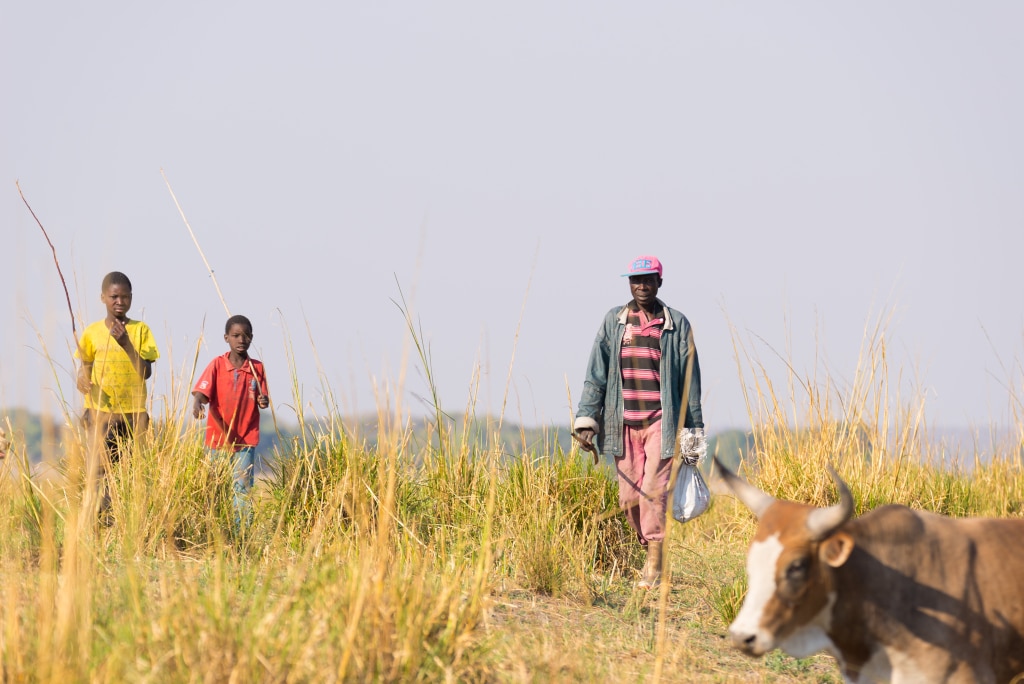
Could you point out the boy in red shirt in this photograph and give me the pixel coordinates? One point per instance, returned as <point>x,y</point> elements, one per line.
<point>235,387</point>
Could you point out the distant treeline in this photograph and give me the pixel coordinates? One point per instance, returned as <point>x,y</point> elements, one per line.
<point>42,437</point>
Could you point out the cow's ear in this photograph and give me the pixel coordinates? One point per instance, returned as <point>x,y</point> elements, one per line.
<point>836,549</point>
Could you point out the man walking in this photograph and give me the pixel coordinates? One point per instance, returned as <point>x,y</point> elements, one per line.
<point>633,405</point>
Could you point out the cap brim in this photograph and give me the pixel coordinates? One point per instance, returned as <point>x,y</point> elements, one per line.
<point>626,275</point>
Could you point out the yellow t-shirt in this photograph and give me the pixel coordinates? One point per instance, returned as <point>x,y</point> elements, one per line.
<point>116,386</point>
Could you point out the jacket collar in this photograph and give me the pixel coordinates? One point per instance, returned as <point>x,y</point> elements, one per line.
<point>624,312</point>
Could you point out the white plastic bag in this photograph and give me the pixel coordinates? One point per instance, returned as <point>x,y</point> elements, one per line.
<point>691,495</point>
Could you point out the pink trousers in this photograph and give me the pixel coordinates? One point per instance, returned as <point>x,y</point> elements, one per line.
<point>643,481</point>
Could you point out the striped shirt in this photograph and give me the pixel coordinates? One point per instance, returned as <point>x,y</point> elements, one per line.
<point>641,367</point>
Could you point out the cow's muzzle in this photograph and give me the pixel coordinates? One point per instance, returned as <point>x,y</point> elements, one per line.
<point>749,642</point>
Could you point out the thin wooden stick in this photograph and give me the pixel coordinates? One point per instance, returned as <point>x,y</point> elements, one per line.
<point>74,330</point>
<point>194,240</point>
<point>209,269</point>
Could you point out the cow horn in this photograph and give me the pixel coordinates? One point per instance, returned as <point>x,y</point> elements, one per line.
<point>824,521</point>
<point>752,497</point>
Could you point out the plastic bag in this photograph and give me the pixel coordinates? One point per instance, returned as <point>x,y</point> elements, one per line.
<point>691,495</point>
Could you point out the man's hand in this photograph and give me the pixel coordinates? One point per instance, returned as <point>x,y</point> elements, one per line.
<point>263,401</point>
<point>585,436</point>
<point>693,446</point>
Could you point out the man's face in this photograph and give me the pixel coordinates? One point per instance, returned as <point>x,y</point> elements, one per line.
<point>117,299</point>
<point>644,289</point>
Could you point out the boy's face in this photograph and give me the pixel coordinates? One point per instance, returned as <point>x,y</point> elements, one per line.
<point>239,337</point>
<point>118,299</point>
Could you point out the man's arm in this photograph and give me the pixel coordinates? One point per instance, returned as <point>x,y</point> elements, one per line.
<point>591,406</point>
<point>690,413</point>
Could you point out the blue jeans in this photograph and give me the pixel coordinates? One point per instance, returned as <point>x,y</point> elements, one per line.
<point>243,467</point>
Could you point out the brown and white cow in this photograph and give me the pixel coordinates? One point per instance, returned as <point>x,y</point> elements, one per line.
<point>894,595</point>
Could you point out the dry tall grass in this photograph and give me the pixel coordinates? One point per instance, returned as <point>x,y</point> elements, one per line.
<point>444,561</point>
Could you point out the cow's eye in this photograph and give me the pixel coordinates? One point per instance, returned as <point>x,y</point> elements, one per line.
<point>794,580</point>
<point>797,570</point>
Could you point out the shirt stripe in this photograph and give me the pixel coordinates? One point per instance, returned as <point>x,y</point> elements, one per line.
<point>641,368</point>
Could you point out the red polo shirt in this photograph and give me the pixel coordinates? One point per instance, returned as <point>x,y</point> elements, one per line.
<point>233,393</point>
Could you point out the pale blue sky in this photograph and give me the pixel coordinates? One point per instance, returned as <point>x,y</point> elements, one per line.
<point>800,168</point>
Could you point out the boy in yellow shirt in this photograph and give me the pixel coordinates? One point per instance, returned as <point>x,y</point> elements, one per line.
<point>117,357</point>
